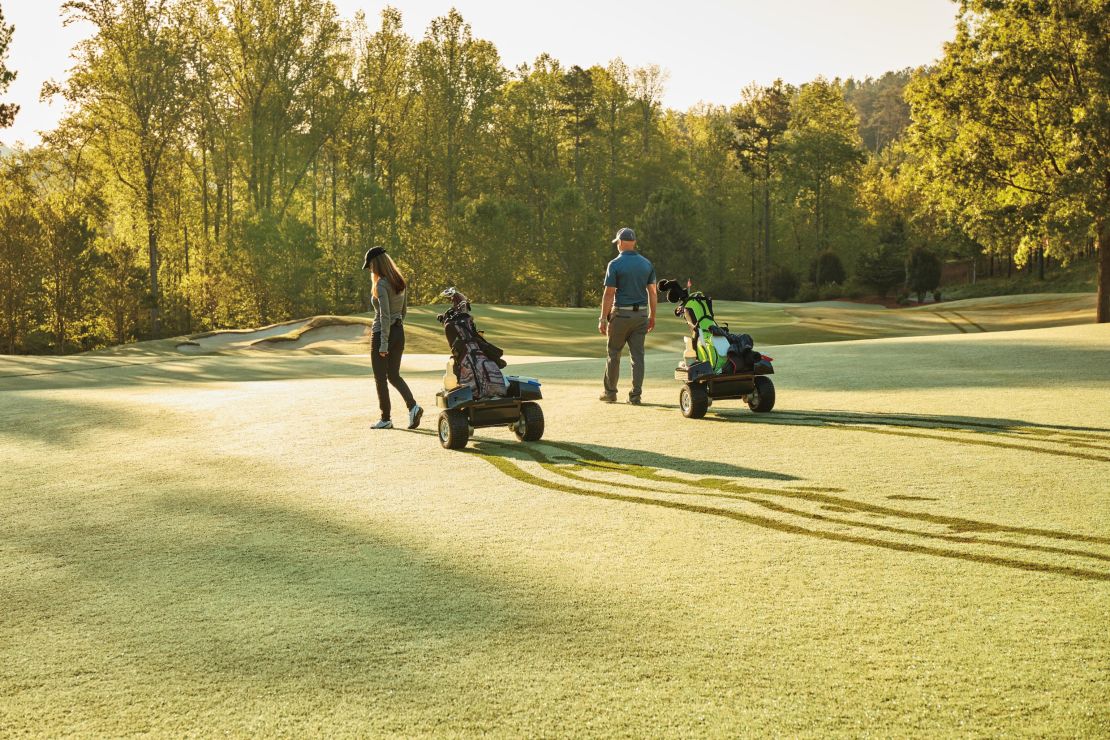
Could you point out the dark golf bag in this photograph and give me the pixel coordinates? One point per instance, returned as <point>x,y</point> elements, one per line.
<point>477,363</point>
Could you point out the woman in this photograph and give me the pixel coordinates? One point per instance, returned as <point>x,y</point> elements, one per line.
<point>388,341</point>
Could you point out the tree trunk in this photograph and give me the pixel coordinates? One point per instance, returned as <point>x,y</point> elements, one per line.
<point>1103,299</point>
<point>152,249</point>
<point>188,294</point>
<point>204,187</point>
<point>765,274</point>
<point>754,240</point>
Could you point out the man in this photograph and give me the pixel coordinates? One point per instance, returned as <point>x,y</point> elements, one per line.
<point>627,313</point>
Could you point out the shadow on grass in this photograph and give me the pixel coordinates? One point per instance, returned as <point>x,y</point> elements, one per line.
<point>801,510</point>
<point>198,369</point>
<point>62,421</point>
<point>191,579</point>
<point>1078,442</point>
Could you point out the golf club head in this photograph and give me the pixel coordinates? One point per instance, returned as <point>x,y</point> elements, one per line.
<point>675,293</point>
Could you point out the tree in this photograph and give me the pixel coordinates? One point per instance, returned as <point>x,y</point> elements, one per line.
<point>1014,118</point>
<point>576,248</point>
<point>759,125</point>
<point>824,153</point>
<point>119,290</point>
<point>130,83</point>
<point>881,269</point>
<point>576,105</point>
<point>666,234</point>
<point>8,111</point>
<point>923,271</point>
<point>458,77</point>
<point>827,268</point>
<point>783,283</point>
<point>880,103</point>
<point>611,88</point>
<point>68,257</point>
<point>20,254</point>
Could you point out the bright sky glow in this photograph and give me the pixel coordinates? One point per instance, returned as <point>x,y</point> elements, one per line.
<point>711,48</point>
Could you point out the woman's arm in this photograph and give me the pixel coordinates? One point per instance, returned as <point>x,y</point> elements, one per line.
<point>383,314</point>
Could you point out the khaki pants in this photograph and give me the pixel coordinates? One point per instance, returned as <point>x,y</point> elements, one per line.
<point>626,327</point>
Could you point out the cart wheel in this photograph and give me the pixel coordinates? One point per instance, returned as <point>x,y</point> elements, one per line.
<point>693,400</point>
<point>762,399</point>
<point>530,426</point>
<point>454,429</point>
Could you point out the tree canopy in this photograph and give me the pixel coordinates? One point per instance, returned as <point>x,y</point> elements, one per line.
<point>227,162</point>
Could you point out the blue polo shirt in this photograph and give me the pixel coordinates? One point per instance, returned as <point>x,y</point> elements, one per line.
<point>630,273</point>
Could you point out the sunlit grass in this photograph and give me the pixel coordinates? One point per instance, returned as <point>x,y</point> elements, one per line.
<point>916,542</point>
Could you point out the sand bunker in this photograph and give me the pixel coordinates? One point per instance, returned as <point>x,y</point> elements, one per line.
<point>318,335</point>
<point>235,339</point>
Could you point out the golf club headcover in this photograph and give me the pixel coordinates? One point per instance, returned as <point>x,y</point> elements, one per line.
<point>674,291</point>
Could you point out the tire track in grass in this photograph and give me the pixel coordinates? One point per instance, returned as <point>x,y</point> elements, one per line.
<point>960,327</point>
<point>965,318</point>
<point>717,488</point>
<point>508,467</point>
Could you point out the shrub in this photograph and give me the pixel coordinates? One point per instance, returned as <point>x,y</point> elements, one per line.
<point>807,293</point>
<point>783,283</point>
<point>826,268</point>
<point>830,292</point>
<point>880,269</point>
<point>923,272</point>
<point>852,289</point>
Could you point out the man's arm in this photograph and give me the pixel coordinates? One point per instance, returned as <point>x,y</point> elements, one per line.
<point>607,298</point>
<point>653,299</point>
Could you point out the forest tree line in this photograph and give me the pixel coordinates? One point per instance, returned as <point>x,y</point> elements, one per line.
<point>225,163</point>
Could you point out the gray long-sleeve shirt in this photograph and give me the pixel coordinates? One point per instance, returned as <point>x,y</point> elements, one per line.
<point>389,307</point>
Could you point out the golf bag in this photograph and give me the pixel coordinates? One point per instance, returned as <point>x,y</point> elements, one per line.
<point>475,362</point>
<point>726,353</point>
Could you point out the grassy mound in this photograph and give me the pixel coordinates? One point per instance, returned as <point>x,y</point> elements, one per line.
<point>563,332</point>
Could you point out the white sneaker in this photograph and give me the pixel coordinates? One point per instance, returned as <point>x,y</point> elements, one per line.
<point>414,416</point>
<point>383,424</point>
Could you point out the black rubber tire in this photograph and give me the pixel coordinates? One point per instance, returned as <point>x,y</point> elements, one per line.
<point>454,429</point>
<point>763,399</point>
<point>530,426</point>
<point>693,401</point>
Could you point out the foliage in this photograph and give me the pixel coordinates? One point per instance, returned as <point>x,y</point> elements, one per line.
<point>1013,127</point>
<point>881,269</point>
<point>783,283</point>
<point>8,111</point>
<point>827,268</point>
<point>666,237</point>
<point>824,155</point>
<point>881,106</point>
<point>923,269</point>
<point>243,154</point>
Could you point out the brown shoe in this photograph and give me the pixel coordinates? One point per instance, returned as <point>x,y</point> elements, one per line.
<point>606,398</point>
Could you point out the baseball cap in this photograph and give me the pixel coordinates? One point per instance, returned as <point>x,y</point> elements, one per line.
<point>625,235</point>
<point>371,253</point>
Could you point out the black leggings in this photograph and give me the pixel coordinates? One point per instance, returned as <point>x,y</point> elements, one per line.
<point>389,368</point>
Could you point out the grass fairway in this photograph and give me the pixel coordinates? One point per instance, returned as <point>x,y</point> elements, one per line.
<point>915,542</point>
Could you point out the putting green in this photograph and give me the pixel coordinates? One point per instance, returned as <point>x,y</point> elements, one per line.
<point>915,542</point>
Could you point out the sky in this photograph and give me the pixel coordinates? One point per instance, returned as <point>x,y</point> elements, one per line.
<point>710,48</point>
